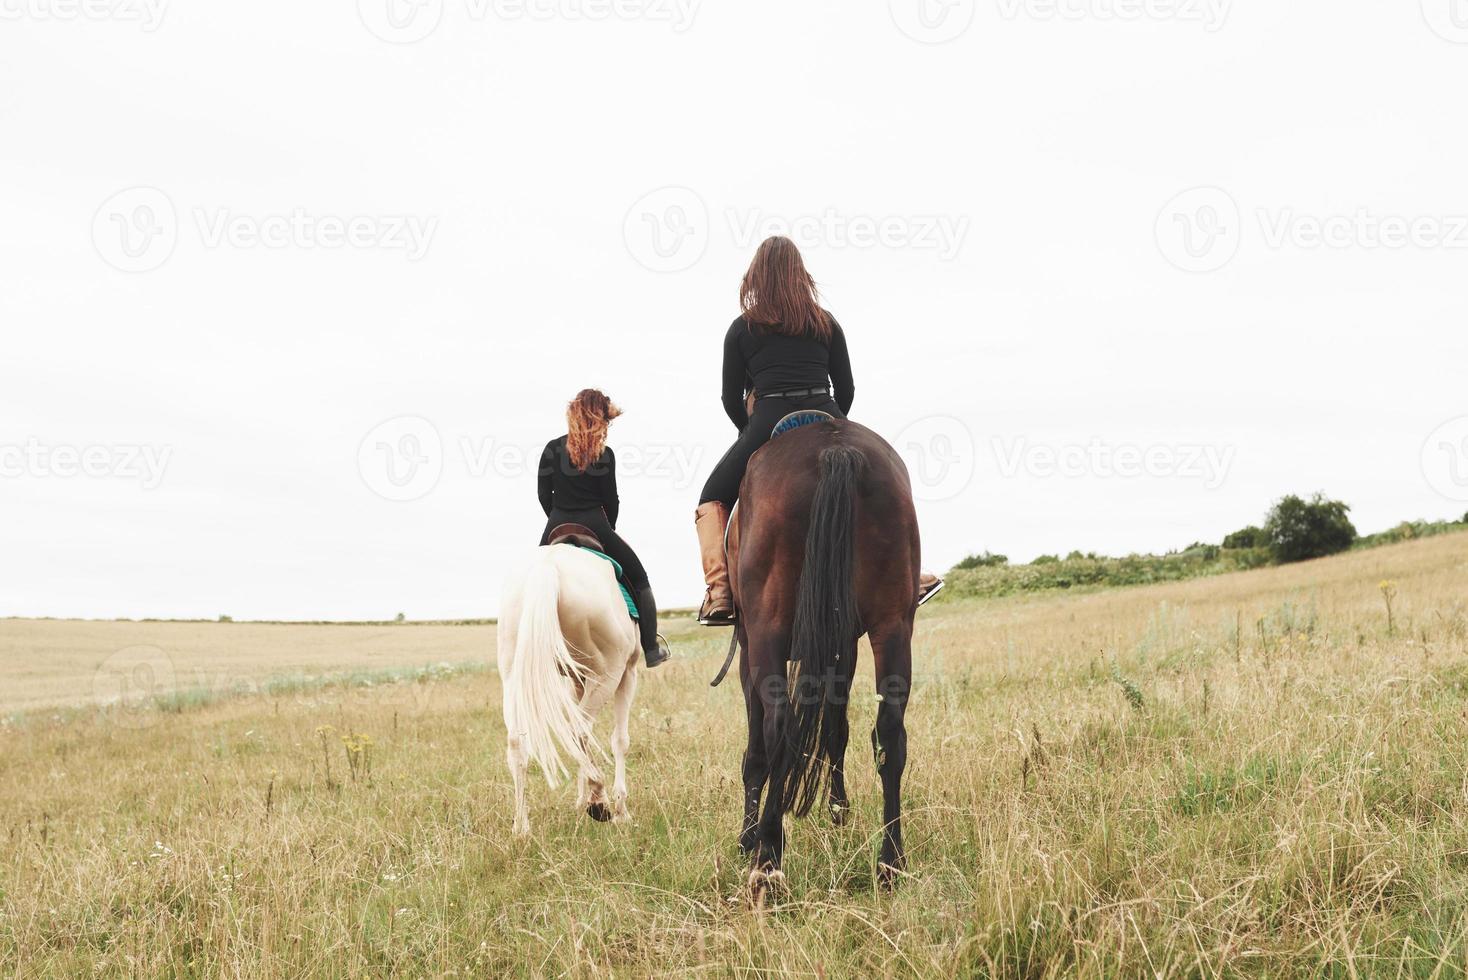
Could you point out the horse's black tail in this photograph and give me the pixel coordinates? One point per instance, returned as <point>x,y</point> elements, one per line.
<point>825,628</point>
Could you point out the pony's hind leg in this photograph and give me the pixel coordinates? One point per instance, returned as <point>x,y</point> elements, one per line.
<point>595,694</point>
<point>621,741</point>
<point>519,761</point>
<point>892,653</point>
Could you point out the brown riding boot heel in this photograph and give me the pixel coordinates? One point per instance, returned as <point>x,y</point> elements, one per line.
<point>718,603</point>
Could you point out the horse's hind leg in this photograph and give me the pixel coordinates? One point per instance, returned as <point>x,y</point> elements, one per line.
<point>769,688</point>
<point>837,734</point>
<point>621,741</point>
<point>755,769</point>
<point>892,653</point>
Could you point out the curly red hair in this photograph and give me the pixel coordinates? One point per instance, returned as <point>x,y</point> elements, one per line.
<point>587,418</point>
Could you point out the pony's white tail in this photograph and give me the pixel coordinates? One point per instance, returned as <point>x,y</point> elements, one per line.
<point>541,694</point>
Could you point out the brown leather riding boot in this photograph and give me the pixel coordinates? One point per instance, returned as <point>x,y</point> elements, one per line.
<point>718,603</point>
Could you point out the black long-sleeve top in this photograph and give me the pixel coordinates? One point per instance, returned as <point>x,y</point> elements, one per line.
<point>562,486</point>
<point>779,362</point>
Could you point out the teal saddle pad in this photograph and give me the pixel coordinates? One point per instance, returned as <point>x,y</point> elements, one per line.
<point>626,593</point>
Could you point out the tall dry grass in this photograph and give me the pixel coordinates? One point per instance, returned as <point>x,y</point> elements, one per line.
<point>1244,775</point>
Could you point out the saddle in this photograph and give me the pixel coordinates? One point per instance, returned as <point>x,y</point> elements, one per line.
<point>796,420</point>
<point>578,534</point>
<point>583,537</point>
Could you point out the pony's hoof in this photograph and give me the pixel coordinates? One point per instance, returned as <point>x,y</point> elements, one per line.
<point>766,886</point>
<point>599,812</point>
<point>839,814</point>
<point>887,875</point>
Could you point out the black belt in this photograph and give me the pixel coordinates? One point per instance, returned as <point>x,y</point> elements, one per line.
<point>794,393</point>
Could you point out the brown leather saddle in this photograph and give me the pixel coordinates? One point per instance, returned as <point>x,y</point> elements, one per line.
<point>577,534</point>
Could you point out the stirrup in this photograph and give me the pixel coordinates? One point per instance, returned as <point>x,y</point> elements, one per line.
<point>662,653</point>
<point>933,590</point>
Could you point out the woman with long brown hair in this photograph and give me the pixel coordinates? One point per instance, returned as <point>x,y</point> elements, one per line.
<point>578,485</point>
<point>783,354</point>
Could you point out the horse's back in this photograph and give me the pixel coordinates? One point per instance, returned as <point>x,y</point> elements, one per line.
<point>775,513</point>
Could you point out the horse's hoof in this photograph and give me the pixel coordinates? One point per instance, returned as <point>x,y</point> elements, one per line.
<point>599,812</point>
<point>839,812</point>
<point>766,886</point>
<point>887,875</point>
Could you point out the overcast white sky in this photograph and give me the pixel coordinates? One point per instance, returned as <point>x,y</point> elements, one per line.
<point>290,290</point>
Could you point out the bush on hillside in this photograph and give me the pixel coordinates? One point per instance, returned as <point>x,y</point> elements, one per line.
<point>1248,537</point>
<point>986,560</point>
<point>1299,529</point>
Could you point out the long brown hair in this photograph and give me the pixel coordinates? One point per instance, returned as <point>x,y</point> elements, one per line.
<point>587,418</point>
<point>777,293</point>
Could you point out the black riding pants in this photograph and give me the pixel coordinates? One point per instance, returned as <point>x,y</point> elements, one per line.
<point>723,482</point>
<point>622,553</point>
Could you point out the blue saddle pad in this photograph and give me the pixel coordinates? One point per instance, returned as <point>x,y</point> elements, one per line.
<point>796,420</point>
<point>617,570</point>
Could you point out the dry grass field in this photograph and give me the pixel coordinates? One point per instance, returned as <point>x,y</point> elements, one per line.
<point>1252,775</point>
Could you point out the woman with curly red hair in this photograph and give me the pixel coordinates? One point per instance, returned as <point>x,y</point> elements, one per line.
<point>578,485</point>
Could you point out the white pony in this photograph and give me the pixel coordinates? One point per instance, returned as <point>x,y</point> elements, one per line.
<point>566,645</point>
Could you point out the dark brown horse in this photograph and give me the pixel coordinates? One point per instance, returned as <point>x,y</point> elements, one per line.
<point>823,548</point>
